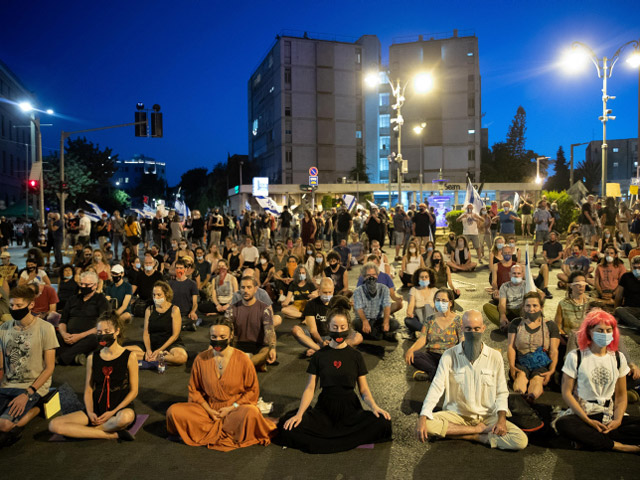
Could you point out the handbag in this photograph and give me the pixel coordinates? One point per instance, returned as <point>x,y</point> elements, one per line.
<point>536,359</point>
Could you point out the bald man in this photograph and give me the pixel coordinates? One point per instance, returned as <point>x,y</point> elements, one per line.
<point>313,332</point>
<point>471,376</point>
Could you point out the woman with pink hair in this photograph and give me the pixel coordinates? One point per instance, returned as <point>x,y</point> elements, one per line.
<point>594,386</point>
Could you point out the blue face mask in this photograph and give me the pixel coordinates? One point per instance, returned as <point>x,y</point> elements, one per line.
<point>326,298</point>
<point>442,307</point>
<point>516,280</point>
<point>424,283</point>
<point>636,272</point>
<point>507,257</point>
<point>499,246</point>
<point>602,339</point>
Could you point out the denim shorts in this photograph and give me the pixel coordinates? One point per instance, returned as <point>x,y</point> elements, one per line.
<point>8,394</point>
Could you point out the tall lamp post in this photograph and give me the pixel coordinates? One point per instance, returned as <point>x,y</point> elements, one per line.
<point>422,83</point>
<point>604,67</point>
<point>419,130</point>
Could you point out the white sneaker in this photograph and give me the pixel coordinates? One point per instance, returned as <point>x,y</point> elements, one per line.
<point>264,407</point>
<point>281,298</point>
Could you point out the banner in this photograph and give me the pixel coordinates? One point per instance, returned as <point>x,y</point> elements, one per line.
<point>96,208</point>
<point>268,205</point>
<point>182,209</point>
<point>516,202</point>
<point>473,198</point>
<point>530,285</point>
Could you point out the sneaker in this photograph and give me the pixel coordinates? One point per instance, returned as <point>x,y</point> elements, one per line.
<point>81,359</point>
<point>198,322</point>
<point>547,293</point>
<point>632,396</point>
<point>281,298</point>
<point>264,407</point>
<point>420,376</point>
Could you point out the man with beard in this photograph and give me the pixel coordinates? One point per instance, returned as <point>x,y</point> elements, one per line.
<point>372,303</point>
<point>471,376</point>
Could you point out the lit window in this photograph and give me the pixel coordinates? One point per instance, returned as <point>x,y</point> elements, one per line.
<point>384,99</point>
<point>469,54</point>
<point>616,149</point>
<point>126,180</point>
<point>615,164</point>
<point>384,142</point>
<point>383,121</point>
<point>384,164</point>
<point>272,89</point>
<point>255,127</point>
<point>471,132</point>
<point>358,133</point>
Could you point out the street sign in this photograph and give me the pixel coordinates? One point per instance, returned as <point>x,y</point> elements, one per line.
<point>66,195</point>
<point>313,171</point>
<point>313,180</point>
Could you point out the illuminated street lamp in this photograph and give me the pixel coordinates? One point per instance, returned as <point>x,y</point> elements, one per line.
<point>575,60</point>
<point>422,83</point>
<point>538,177</point>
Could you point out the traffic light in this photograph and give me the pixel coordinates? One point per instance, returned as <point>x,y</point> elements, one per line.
<point>156,124</point>
<point>64,186</point>
<point>33,185</point>
<point>141,128</point>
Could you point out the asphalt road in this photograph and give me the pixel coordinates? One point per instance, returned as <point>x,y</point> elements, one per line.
<point>152,455</point>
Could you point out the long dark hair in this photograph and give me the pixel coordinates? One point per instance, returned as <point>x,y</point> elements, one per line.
<point>339,305</point>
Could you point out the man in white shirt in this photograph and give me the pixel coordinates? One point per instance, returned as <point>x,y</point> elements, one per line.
<point>84,233</point>
<point>250,253</point>
<point>471,376</point>
<point>470,229</point>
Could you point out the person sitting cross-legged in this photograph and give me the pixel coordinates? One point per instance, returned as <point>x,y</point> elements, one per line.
<point>301,290</point>
<point>27,361</point>
<point>111,385</point>
<point>221,412</point>
<point>313,333</point>
<point>372,304</point>
<point>471,376</point>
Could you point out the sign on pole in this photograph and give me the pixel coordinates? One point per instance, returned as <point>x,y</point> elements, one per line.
<point>313,171</point>
<point>313,181</point>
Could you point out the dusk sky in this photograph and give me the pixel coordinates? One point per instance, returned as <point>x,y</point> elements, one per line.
<point>92,61</point>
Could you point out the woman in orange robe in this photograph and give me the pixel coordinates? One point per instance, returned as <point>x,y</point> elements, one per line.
<point>223,391</point>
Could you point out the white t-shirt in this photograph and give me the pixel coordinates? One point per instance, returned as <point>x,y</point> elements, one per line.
<point>250,254</point>
<point>469,225</point>
<point>85,227</point>
<point>25,275</point>
<point>596,381</point>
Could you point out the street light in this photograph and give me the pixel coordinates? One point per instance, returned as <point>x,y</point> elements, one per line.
<point>419,130</point>
<point>538,178</point>
<point>575,59</point>
<point>422,83</point>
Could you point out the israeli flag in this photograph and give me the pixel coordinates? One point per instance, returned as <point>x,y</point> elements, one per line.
<point>268,205</point>
<point>247,206</point>
<point>530,285</point>
<point>473,198</point>
<point>96,208</point>
<point>516,202</point>
<point>182,209</point>
<point>349,201</point>
<point>92,216</point>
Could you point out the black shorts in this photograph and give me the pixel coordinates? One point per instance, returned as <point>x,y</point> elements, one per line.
<point>532,373</point>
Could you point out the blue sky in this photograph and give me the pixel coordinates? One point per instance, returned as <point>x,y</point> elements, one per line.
<point>91,63</point>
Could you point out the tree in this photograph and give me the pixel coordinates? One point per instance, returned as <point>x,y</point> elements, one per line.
<point>78,177</point>
<point>360,172</point>
<point>100,165</point>
<point>590,171</point>
<point>516,134</point>
<point>193,183</point>
<point>121,198</point>
<point>560,179</point>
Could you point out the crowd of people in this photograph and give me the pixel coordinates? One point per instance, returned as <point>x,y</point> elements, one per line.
<point>240,278</point>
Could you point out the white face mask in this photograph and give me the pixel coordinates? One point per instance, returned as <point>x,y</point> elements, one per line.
<point>263,261</point>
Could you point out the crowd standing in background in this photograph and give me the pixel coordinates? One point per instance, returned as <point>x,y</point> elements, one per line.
<point>234,278</point>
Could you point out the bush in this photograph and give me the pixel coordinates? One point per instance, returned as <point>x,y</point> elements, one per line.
<point>327,202</point>
<point>454,225</point>
<point>566,207</point>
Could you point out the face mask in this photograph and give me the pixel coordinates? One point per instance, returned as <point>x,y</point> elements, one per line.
<point>106,339</point>
<point>506,209</point>
<point>435,261</point>
<point>516,280</point>
<point>199,258</point>
<point>31,269</point>
<point>507,257</point>
<point>429,249</point>
<point>234,249</point>
<point>451,239</point>
<point>636,272</point>
<point>482,212</point>
<point>371,286</point>
<point>303,277</point>
<point>602,339</point>
<point>148,268</point>
<point>412,250</point>
<point>116,278</point>
<point>174,246</point>
<point>512,244</point>
<point>68,277</point>
<point>309,252</point>
<point>263,261</point>
<point>183,247</point>
<point>219,345</point>
<point>86,290</point>
<point>442,307</point>
<point>607,235</point>
<point>338,337</point>
<point>319,260</point>
<point>472,345</point>
<point>499,246</point>
<point>424,283</point>
<point>97,259</point>
<point>158,302</point>
<point>19,313</point>
<point>609,258</point>
<point>326,298</point>
<point>533,316</point>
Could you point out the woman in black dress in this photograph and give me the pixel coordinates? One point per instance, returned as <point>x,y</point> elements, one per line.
<point>337,422</point>
<point>111,386</point>
<point>162,327</point>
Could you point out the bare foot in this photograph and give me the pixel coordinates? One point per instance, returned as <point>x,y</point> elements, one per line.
<point>310,352</point>
<point>483,428</point>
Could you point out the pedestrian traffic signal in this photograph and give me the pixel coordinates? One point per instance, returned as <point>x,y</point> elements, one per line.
<point>33,185</point>
<point>64,186</point>
<point>141,124</point>
<point>156,124</point>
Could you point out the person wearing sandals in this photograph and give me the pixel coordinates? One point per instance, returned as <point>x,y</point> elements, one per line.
<point>594,387</point>
<point>111,385</point>
<point>421,298</point>
<point>533,348</point>
<point>440,331</point>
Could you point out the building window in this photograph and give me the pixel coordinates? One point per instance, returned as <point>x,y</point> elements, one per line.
<point>254,129</point>
<point>358,56</point>
<point>471,132</point>
<point>384,99</point>
<point>385,142</point>
<point>472,155</point>
<point>469,54</point>
<point>383,121</point>
<point>471,102</point>
<point>472,78</point>
<point>287,52</point>
<point>126,180</point>
<point>287,111</point>
<point>616,149</point>
<point>384,164</point>
<point>288,157</point>
<point>615,164</point>
<point>358,133</point>
<point>287,75</point>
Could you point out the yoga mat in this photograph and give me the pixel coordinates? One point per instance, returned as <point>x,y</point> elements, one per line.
<point>366,445</point>
<point>140,419</point>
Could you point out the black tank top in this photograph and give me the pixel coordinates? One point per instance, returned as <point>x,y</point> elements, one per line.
<point>110,381</point>
<point>160,327</point>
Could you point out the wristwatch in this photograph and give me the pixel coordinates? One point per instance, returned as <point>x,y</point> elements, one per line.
<point>235,405</point>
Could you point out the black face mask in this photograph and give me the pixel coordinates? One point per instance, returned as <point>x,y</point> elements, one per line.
<point>435,261</point>
<point>86,291</point>
<point>533,316</point>
<point>371,286</point>
<point>338,337</point>
<point>106,339</point>
<point>19,313</point>
<point>116,278</point>
<point>219,345</point>
<point>31,269</point>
